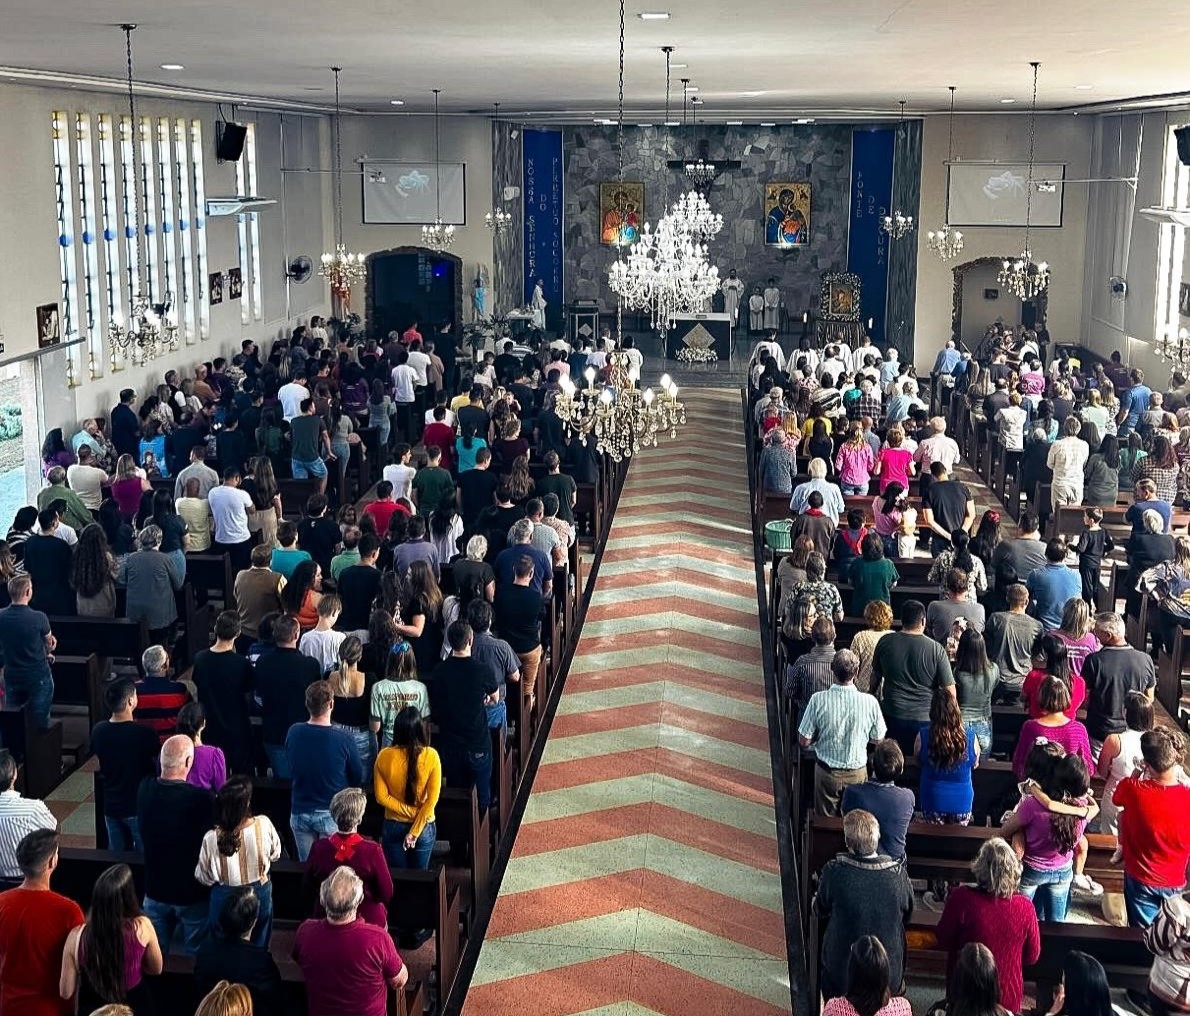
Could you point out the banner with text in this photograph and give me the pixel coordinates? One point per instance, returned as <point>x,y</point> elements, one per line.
<point>867,243</point>
<point>542,196</point>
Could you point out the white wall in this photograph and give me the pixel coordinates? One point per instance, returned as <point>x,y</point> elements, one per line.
<point>978,311</point>
<point>463,139</point>
<point>979,138</point>
<point>296,225</point>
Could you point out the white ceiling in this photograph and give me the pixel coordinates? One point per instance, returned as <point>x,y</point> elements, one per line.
<point>799,56</point>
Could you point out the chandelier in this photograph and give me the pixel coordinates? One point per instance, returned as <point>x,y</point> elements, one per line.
<point>438,235</point>
<point>693,213</point>
<point>1173,346</point>
<point>898,224</point>
<point>946,242</point>
<point>148,332</point>
<point>700,172</point>
<point>622,418</point>
<point>497,221</point>
<point>340,267</point>
<point>1022,276</point>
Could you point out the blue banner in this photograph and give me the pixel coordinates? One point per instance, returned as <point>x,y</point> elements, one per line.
<point>867,243</point>
<point>542,195</point>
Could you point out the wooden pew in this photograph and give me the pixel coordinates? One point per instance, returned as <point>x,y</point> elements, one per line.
<point>1069,519</point>
<point>113,638</point>
<point>195,622</point>
<point>294,494</point>
<point>38,751</point>
<point>589,515</point>
<point>79,681</point>
<point>468,832</point>
<point>212,578</point>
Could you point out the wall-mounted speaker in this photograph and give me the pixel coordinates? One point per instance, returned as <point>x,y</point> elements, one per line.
<point>229,140</point>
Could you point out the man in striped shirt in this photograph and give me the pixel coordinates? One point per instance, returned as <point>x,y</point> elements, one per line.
<point>159,698</point>
<point>18,818</point>
<point>838,723</point>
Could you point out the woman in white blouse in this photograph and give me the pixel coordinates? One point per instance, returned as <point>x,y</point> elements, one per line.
<point>237,853</point>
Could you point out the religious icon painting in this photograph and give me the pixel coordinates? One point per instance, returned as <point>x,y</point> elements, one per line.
<point>621,212</point>
<point>49,325</point>
<point>1184,300</point>
<point>840,296</point>
<point>786,214</point>
<point>235,284</point>
<point>215,288</point>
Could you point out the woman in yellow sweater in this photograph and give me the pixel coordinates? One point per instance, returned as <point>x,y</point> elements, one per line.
<point>407,781</point>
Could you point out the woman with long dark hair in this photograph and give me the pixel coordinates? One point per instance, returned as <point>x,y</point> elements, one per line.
<point>959,555</point>
<point>237,854</point>
<point>106,960</point>
<point>520,481</point>
<point>20,530</point>
<point>974,988</point>
<point>175,539</point>
<point>987,537</point>
<point>261,485</point>
<point>948,752</point>
<point>868,991</point>
<point>1084,989</point>
<point>302,593</point>
<point>887,509</point>
<point>209,770</point>
<point>93,574</point>
<point>467,446</point>
<point>407,781</point>
<point>1051,658</point>
<point>1160,466</point>
<point>420,619</point>
<point>381,412</point>
<point>446,526</point>
<point>975,679</point>
<point>1101,474</point>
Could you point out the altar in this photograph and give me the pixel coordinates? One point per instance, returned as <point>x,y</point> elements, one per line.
<point>699,331</point>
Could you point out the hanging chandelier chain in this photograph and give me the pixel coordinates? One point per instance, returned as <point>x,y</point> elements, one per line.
<point>437,162</point>
<point>950,144</point>
<point>620,104</point>
<point>668,50</point>
<point>338,160</point>
<point>134,138</point>
<point>1032,142</point>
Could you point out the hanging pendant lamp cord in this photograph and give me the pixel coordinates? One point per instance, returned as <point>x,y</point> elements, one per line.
<point>134,137</point>
<point>620,103</point>
<point>437,165</point>
<point>338,161</point>
<point>1032,140</point>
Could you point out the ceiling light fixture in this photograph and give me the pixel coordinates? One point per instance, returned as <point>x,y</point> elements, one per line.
<point>654,15</point>
<point>439,235</point>
<point>1084,88</point>
<point>396,102</point>
<point>1022,276</point>
<point>734,123</point>
<point>173,67</point>
<point>340,267</point>
<point>751,95</point>
<point>1007,102</point>
<point>946,243</point>
<point>804,119</point>
<point>498,219</point>
<point>898,224</point>
<point>767,123</point>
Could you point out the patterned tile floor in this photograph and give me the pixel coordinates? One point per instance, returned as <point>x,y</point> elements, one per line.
<point>644,879</point>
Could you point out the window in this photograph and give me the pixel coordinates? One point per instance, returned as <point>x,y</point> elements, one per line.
<point>253,225</point>
<point>185,308</point>
<point>1171,241</point>
<point>242,236</point>
<point>165,183</point>
<point>149,201</point>
<point>200,228</point>
<point>64,192</point>
<point>92,293</point>
<point>109,207</point>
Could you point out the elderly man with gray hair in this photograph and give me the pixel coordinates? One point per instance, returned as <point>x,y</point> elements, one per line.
<point>520,545</point>
<point>838,723</point>
<point>159,698</point>
<point>1111,673</point>
<point>862,892</point>
<point>833,506</point>
<point>75,514</point>
<point>173,816</point>
<point>348,964</point>
<point>151,579</point>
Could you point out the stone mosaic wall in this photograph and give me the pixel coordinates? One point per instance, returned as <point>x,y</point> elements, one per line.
<point>820,153</point>
<point>508,248</point>
<point>901,306</point>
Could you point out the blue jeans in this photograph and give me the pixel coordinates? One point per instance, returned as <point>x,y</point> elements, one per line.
<point>308,827</point>
<point>35,691</point>
<point>983,734</point>
<point>393,841</point>
<point>464,769</point>
<point>123,833</point>
<point>166,917</point>
<point>497,715</point>
<point>1049,891</point>
<point>278,761</point>
<point>304,470</point>
<point>1143,902</point>
<point>854,488</point>
<point>365,744</point>
<point>263,931</point>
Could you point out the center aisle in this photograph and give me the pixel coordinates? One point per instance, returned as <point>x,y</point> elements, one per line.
<point>644,878</point>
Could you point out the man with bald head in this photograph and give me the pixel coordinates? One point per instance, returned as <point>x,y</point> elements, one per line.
<point>173,817</point>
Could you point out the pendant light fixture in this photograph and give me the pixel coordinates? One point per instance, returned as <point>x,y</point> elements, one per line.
<point>946,242</point>
<point>440,235</point>
<point>1022,276</point>
<point>898,224</point>
<point>340,267</point>
<point>497,220</point>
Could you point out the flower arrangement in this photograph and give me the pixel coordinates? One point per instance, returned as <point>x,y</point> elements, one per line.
<point>692,355</point>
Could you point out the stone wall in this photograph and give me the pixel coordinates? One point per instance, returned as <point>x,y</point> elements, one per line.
<point>901,305</point>
<point>508,247</point>
<point>820,153</point>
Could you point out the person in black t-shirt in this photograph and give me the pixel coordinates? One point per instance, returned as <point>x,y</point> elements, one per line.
<point>127,753</point>
<point>497,519</point>
<point>474,414</point>
<point>517,618</point>
<point>476,487</point>
<point>472,574</point>
<point>359,586</point>
<point>223,680</point>
<point>282,677</point>
<point>948,506</point>
<point>558,483</point>
<point>459,693</point>
<point>318,533</point>
<point>508,364</point>
<point>230,956</point>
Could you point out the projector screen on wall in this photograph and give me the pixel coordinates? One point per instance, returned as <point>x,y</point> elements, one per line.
<point>406,193</point>
<point>993,194</point>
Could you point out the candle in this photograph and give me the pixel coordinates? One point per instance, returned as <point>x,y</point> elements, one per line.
<point>871,321</point>
<point>806,318</point>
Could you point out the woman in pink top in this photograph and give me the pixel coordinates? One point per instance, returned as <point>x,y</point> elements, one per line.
<point>1076,635</point>
<point>1053,698</point>
<point>868,992</point>
<point>854,462</point>
<point>886,510</point>
<point>894,464</point>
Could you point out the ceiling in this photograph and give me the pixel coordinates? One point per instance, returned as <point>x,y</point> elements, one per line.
<point>763,59</point>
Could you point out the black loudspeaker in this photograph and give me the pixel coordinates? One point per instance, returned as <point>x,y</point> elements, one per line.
<point>1182,134</point>
<point>229,140</point>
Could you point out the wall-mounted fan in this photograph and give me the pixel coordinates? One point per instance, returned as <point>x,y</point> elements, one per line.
<point>300,269</point>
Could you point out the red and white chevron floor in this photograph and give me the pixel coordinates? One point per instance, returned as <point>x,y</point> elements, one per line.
<point>644,879</point>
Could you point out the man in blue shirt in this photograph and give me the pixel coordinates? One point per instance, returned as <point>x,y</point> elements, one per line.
<point>519,537</point>
<point>1051,585</point>
<point>1133,401</point>
<point>1144,498</point>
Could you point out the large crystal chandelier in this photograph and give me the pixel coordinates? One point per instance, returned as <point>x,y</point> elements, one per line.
<point>439,235</point>
<point>1173,346</point>
<point>149,330</point>
<point>341,268</point>
<point>1022,276</point>
<point>622,418</point>
<point>898,225</point>
<point>693,212</point>
<point>946,242</point>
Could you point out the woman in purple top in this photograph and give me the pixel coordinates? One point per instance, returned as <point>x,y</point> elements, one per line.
<point>1075,633</point>
<point>54,451</point>
<point>210,767</point>
<point>1051,838</point>
<point>1053,698</point>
